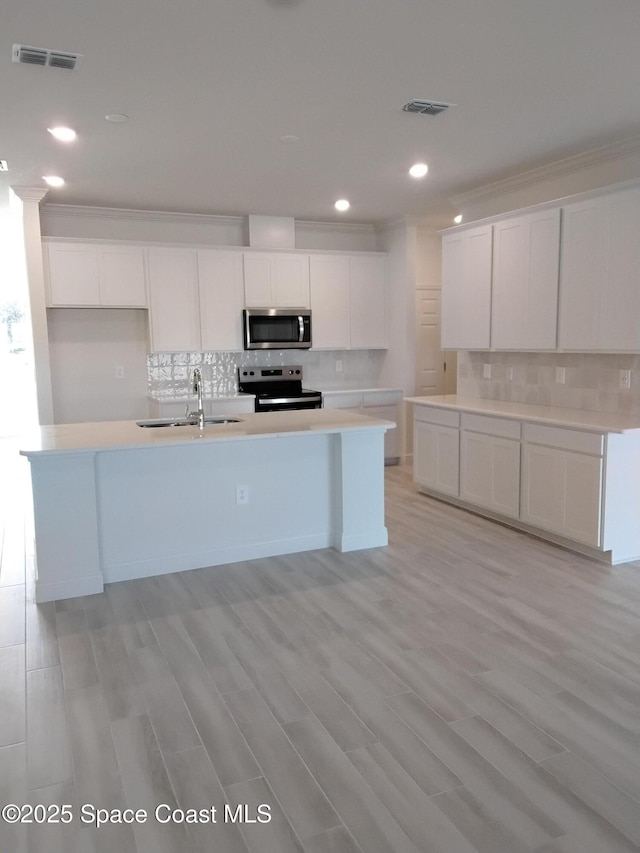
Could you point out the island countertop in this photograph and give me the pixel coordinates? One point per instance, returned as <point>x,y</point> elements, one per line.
<point>579,419</point>
<point>120,435</point>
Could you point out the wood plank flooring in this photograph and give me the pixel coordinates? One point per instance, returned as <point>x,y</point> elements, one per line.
<point>466,689</point>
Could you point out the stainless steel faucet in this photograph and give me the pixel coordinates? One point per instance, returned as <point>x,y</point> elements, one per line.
<point>197,389</point>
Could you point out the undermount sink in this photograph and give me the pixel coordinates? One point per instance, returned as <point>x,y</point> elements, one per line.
<point>178,422</point>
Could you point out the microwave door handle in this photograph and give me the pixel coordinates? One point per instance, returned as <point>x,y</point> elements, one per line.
<point>300,328</point>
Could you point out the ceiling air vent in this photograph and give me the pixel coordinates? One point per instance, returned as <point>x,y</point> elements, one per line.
<point>45,57</point>
<point>426,108</point>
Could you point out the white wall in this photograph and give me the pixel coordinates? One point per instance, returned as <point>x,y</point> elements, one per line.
<point>87,346</point>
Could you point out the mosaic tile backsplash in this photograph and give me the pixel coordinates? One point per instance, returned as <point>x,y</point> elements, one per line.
<point>592,381</point>
<point>169,374</point>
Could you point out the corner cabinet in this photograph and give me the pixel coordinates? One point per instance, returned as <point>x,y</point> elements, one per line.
<point>600,278</point>
<point>466,289</point>
<point>94,275</point>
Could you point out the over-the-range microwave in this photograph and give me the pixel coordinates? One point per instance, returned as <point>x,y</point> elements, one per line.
<point>277,328</point>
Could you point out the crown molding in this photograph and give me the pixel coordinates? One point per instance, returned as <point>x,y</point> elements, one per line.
<point>30,193</point>
<point>354,227</point>
<point>556,169</point>
<point>91,212</point>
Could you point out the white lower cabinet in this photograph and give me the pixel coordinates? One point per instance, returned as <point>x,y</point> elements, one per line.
<point>436,450</point>
<point>577,486</point>
<point>490,463</point>
<point>561,487</point>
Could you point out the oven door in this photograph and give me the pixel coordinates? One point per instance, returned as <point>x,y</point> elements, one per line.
<point>287,404</point>
<point>277,328</point>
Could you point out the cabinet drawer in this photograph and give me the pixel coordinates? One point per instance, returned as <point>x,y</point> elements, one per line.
<point>567,439</point>
<point>352,400</point>
<point>443,417</point>
<point>491,426</point>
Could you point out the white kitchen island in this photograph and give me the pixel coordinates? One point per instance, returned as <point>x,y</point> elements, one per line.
<point>114,501</point>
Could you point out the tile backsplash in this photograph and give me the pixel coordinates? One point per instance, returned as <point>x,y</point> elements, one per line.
<point>169,374</point>
<point>592,381</point>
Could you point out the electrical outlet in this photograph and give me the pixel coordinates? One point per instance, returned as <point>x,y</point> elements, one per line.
<point>338,365</point>
<point>242,495</point>
<point>560,375</point>
<point>120,371</point>
<point>625,379</point>
<point>486,371</point>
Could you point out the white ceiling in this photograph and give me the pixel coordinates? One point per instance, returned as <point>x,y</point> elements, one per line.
<point>211,87</point>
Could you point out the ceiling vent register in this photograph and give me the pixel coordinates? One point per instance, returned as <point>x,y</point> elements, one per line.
<point>45,57</point>
<point>426,108</point>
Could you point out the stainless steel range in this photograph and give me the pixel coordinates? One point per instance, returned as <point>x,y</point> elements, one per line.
<point>277,389</point>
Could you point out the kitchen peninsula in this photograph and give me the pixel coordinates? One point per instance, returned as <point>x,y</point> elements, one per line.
<point>114,501</point>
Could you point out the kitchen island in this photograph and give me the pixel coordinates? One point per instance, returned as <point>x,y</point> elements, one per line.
<point>114,501</point>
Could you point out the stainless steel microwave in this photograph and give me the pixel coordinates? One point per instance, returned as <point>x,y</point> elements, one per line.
<point>277,328</point>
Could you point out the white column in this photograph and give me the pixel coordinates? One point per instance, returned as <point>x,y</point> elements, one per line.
<point>358,483</point>
<point>25,203</point>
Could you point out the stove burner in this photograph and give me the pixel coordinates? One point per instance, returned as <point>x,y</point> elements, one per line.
<point>277,388</point>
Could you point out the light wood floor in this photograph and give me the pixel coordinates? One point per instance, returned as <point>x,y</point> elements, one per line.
<point>466,689</point>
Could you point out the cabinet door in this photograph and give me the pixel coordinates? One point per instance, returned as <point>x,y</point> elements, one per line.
<point>122,282</point>
<point>74,274</point>
<point>291,281</point>
<point>582,275</point>
<point>490,472</point>
<point>620,317</point>
<point>276,280</point>
<point>466,289</point>
<point>173,298</point>
<point>526,260</point>
<point>367,303</point>
<point>258,288</point>
<point>220,283</point>
<point>562,492</point>
<point>329,291</point>
<point>436,457</point>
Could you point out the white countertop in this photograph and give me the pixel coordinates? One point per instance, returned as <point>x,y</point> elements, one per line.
<point>600,422</point>
<point>120,435</point>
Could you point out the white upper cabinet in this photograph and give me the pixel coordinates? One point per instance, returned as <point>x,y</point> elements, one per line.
<point>221,299</point>
<point>368,302</point>
<point>87,274</point>
<point>600,274</point>
<point>329,290</point>
<point>174,300</point>
<point>276,280</point>
<point>524,301</point>
<point>466,289</point>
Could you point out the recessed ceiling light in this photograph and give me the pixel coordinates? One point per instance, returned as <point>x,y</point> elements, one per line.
<point>418,170</point>
<point>342,205</point>
<point>64,134</point>
<point>53,180</point>
<point>117,117</point>
<point>289,139</point>
<point>458,219</point>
